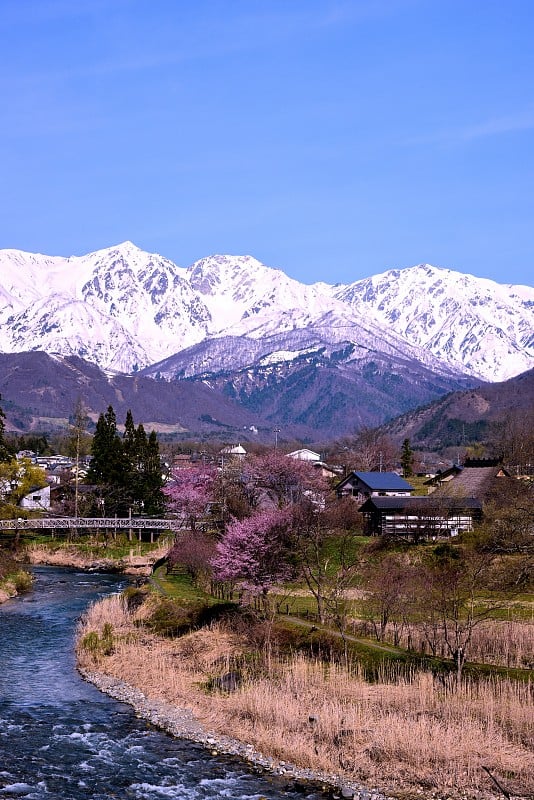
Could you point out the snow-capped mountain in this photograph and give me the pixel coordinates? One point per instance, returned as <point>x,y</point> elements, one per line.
<point>313,378</point>
<point>125,309</point>
<point>476,325</point>
<point>121,308</point>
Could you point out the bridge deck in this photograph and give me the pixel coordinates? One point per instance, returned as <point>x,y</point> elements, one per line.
<point>56,523</point>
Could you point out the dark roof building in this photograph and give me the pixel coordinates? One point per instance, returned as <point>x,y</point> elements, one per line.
<point>420,517</point>
<point>468,481</point>
<point>369,484</point>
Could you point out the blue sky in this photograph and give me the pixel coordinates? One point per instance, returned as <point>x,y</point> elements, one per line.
<point>333,139</point>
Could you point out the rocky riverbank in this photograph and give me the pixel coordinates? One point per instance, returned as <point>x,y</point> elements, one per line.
<point>71,556</point>
<point>181,722</point>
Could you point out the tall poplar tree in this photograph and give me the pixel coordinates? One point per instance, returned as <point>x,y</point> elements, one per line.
<point>78,444</point>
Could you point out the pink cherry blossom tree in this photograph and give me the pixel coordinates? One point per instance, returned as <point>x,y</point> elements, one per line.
<point>280,480</point>
<point>189,492</point>
<point>256,552</point>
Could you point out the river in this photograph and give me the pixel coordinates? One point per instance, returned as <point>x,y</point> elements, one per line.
<point>62,738</point>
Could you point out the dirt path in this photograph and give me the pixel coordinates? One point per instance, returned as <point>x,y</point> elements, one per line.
<point>348,636</point>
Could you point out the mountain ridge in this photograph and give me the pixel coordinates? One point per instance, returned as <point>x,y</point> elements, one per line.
<point>318,360</point>
<point>145,308</point>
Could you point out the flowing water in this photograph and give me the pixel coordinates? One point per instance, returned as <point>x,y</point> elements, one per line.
<point>62,738</point>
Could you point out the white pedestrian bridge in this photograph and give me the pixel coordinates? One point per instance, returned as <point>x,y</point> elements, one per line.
<point>62,523</point>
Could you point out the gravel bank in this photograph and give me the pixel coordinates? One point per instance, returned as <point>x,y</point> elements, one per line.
<point>180,722</point>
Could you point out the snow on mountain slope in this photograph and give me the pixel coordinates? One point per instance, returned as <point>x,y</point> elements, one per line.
<point>120,307</point>
<point>24,278</point>
<point>125,309</point>
<point>239,291</point>
<point>473,324</point>
<point>248,299</point>
<point>65,326</point>
<point>150,296</point>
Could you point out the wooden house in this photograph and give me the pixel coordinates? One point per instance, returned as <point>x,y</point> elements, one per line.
<point>476,478</point>
<point>420,517</point>
<point>362,485</point>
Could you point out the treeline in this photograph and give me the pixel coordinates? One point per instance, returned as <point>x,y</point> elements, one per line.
<point>127,468</point>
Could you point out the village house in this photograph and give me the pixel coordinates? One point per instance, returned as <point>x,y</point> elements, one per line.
<point>37,499</point>
<point>418,517</point>
<point>305,455</point>
<point>362,485</point>
<point>454,503</point>
<point>233,451</point>
<point>476,478</point>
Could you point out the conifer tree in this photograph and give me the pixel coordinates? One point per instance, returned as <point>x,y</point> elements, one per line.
<point>106,449</point>
<point>407,458</point>
<point>127,467</point>
<point>5,455</point>
<point>129,443</point>
<point>153,480</point>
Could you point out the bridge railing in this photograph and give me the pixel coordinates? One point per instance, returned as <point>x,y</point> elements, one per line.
<point>56,523</point>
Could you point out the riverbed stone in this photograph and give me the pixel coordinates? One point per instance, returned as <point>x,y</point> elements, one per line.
<point>180,722</point>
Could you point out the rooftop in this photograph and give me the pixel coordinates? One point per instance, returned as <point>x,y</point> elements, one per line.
<point>384,481</point>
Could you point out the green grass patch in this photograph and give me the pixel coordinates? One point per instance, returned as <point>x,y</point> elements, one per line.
<point>180,587</point>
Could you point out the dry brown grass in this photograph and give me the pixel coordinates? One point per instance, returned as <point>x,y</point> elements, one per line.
<point>401,735</point>
<point>505,643</point>
<point>70,555</point>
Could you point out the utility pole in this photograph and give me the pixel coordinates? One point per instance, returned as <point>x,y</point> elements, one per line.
<point>77,473</point>
<point>276,432</point>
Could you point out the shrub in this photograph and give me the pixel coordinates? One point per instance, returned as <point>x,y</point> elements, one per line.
<point>170,619</point>
<point>99,645</point>
<point>22,581</point>
<point>91,643</point>
<point>134,597</point>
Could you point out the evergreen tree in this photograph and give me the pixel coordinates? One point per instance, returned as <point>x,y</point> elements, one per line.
<point>137,464</point>
<point>153,479</point>
<point>147,479</point>
<point>107,465</point>
<point>5,455</point>
<point>141,447</point>
<point>129,444</point>
<point>407,459</point>
<point>127,467</point>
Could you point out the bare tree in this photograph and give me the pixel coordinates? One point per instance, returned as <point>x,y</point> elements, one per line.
<point>388,584</point>
<point>448,588</point>
<point>368,450</point>
<point>79,444</point>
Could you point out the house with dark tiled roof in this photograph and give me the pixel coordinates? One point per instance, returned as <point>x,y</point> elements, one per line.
<point>453,504</point>
<point>362,485</point>
<point>420,517</point>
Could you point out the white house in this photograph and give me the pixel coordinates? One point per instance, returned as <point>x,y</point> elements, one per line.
<point>37,499</point>
<point>305,455</point>
<point>236,451</point>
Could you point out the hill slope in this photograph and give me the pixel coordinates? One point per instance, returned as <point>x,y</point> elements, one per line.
<point>487,413</point>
